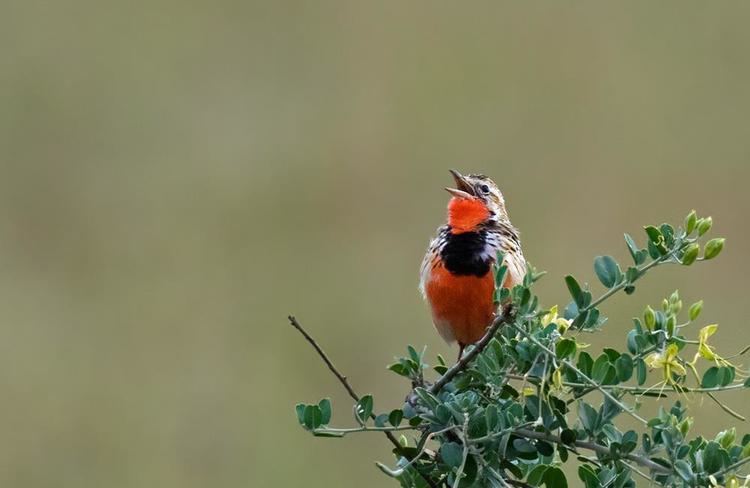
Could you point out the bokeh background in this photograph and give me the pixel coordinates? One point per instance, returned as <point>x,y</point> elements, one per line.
<point>177,177</point>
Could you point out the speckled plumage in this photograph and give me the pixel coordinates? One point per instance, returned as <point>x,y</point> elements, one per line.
<point>456,274</point>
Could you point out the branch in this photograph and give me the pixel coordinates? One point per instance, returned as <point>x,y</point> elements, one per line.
<point>343,432</point>
<point>505,317</point>
<point>591,446</point>
<point>342,379</point>
<point>733,467</point>
<point>634,390</point>
<point>597,448</point>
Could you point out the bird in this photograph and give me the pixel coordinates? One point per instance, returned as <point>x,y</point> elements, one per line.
<point>456,278</point>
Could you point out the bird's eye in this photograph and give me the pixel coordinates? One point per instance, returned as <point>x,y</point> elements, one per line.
<point>485,188</point>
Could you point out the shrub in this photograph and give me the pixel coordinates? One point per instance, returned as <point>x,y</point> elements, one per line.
<point>530,396</point>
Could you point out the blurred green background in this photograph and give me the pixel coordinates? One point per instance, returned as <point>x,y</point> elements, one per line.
<point>177,177</point>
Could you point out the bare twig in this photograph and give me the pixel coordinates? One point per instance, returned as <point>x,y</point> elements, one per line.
<point>726,408</point>
<point>504,318</point>
<point>342,379</point>
<point>345,383</point>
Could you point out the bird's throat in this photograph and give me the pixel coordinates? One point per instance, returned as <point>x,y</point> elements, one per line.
<point>466,214</point>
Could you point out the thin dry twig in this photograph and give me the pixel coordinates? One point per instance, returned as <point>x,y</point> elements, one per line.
<point>345,383</point>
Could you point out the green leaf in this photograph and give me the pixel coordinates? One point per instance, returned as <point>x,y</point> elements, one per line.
<point>565,348</point>
<point>654,234</point>
<point>632,343</point>
<point>641,371</point>
<point>712,459</point>
<point>363,409</point>
<point>536,475</point>
<point>568,436</point>
<point>632,247</point>
<point>632,274</point>
<point>653,250</point>
<point>414,355</point>
<point>500,273</point>
<point>601,365</point>
<point>588,476</point>
<point>452,454</point>
<point>585,363</point>
<point>555,478</point>
<point>427,398</point>
<point>523,446</point>
<point>544,448</point>
<point>575,291</point>
<point>381,419</point>
<point>312,417</point>
<point>492,417</point>
<point>441,370</point>
<point>710,377</point>
<point>589,417</point>
<point>300,409</point>
<point>668,232</point>
<point>399,369</point>
<point>607,270</point>
<point>395,417</point>
<point>325,409</point>
<point>624,367</point>
<point>611,432</point>
<point>747,383</point>
<point>726,375</point>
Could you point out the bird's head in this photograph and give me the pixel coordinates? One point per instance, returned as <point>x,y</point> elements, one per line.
<point>476,200</point>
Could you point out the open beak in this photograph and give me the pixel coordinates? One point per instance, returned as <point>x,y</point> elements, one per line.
<point>463,189</point>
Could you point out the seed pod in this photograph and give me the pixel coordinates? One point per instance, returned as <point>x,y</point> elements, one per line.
<point>695,310</point>
<point>704,225</point>
<point>690,221</point>
<point>649,317</point>
<point>690,254</point>
<point>713,248</point>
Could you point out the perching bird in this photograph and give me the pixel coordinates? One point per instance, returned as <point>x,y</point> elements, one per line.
<point>456,274</point>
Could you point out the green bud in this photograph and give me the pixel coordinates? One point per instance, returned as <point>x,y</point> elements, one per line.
<point>649,317</point>
<point>690,222</point>
<point>674,296</point>
<point>690,254</point>
<point>665,305</point>
<point>676,307</point>
<point>726,437</point>
<point>685,426</point>
<point>713,248</point>
<point>704,225</point>
<point>695,310</point>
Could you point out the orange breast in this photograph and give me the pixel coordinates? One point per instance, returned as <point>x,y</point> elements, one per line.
<point>462,306</point>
